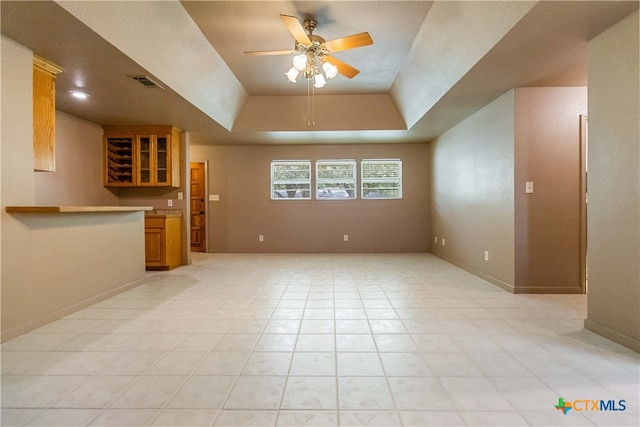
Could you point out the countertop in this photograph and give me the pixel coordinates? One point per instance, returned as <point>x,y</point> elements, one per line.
<point>75,209</point>
<point>163,213</point>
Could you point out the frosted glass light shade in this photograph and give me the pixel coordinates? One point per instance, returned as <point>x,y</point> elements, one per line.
<point>300,61</point>
<point>292,74</point>
<point>330,70</point>
<point>319,81</point>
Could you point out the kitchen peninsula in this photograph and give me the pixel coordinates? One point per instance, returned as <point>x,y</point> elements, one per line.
<point>83,255</point>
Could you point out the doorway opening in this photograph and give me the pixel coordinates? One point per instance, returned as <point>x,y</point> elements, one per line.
<point>198,216</point>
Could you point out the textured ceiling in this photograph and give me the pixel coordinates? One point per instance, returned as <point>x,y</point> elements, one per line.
<point>436,62</point>
<point>221,23</point>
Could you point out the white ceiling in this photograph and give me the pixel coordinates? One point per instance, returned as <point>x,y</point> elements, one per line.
<point>432,64</point>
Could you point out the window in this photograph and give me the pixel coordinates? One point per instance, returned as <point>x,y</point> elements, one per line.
<point>381,179</point>
<point>291,179</point>
<point>336,179</point>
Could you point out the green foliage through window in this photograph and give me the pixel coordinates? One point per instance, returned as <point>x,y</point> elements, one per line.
<point>336,179</point>
<point>291,179</point>
<point>381,179</point>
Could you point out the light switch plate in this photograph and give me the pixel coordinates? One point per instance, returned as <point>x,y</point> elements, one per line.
<point>214,197</point>
<point>528,187</point>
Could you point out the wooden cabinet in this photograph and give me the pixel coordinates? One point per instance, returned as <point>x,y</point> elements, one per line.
<point>163,241</point>
<point>44,114</point>
<point>141,156</point>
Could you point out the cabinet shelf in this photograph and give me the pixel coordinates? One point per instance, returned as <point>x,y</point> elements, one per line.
<point>116,164</point>
<point>119,160</point>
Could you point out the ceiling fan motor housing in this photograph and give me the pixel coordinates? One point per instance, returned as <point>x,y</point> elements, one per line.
<point>310,25</point>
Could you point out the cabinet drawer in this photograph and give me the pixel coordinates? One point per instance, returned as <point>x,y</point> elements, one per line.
<point>154,223</point>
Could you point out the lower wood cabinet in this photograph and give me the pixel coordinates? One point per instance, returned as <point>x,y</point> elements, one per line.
<point>163,241</point>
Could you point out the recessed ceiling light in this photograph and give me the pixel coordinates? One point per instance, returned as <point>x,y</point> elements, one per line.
<point>79,94</point>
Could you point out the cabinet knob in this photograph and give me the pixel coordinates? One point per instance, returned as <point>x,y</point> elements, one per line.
<point>202,200</point>
<point>201,212</point>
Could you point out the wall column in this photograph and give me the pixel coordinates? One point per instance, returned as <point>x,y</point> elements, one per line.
<point>613,233</point>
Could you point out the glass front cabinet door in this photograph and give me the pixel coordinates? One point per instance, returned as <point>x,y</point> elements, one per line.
<point>144,161</point>
<point>163,160</point>
<point>154,160</point>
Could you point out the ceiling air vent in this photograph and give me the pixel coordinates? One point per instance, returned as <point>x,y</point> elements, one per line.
<point>146,82</point>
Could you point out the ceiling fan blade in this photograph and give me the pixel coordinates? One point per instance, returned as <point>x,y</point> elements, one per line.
<point>269,52</point>
<point>349,42</point>
<point>343,68</point>
<point>295,27</point>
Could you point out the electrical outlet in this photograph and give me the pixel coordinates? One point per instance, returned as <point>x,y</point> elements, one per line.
<point>346,237</point>
<point>436,239</point>
<point>443,242</point>
<point>169,202</point>
<point>180,195</point>
<point>486,255</point>
<point>261,238</point>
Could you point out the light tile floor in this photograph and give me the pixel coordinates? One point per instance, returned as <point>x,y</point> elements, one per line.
<point>322,340</point>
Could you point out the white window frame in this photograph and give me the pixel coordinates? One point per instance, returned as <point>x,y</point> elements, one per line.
<point>303,183</point>
<point>349,186</point>
<point>365,182</point>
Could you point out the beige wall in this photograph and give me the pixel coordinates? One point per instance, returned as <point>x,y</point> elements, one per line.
<point>52,264</point>
<point>241,177</point>
<point>614,184</point>
<point>78,176</point>
<point>547,222</point>
<point>330,113</point>
<point>472,193</point>
<point>479,203</point>
<point>17,127</point>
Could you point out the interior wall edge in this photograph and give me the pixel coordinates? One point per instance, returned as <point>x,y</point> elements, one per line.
<point>549,290</point>
<point>23,328</point>
<point>493,280</point>
<point>613,335</point>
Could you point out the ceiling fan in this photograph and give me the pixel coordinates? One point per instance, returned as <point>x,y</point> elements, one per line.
<point>312,54</point>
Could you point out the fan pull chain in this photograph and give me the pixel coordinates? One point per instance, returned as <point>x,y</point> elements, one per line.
<point>308,103</point>
<point>311,104</point>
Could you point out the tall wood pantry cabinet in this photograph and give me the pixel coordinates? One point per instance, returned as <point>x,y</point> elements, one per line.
<point>141,156</point>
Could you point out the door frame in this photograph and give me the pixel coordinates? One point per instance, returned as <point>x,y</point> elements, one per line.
<point>206,204</point>
<point>584,149</point>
